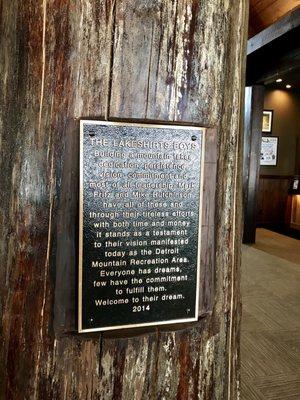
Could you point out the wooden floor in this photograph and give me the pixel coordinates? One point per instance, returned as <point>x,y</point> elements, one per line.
<point>271,319</point>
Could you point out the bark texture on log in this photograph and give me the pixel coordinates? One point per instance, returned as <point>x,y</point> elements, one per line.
<point>179,60</point>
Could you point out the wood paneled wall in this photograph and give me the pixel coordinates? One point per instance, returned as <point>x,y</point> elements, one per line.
<point>272,199</point>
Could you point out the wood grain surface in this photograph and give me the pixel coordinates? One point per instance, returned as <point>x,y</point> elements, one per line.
<point>264,13</point>
<point>272,200</point>
<point>62,60</point>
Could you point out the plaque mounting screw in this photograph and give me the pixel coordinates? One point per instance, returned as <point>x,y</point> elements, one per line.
<point>194,137</point>
<point>91,134</point>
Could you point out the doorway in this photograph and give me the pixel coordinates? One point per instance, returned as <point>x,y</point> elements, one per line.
<point>270,341</point>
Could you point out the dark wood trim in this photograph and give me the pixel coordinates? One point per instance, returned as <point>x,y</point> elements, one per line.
<point>273,32</point>
<point>272,201</point>
<point>254,103</point>
<point>276,176</point>
<point>288,210</point>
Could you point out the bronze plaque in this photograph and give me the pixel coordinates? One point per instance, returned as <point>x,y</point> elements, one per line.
<point>139,224</point>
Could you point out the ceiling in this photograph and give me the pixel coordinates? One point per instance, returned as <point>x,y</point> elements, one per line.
<point>264,13</point>
<point>289,77</point>
<point>275,54</point>
<point>279,58</point>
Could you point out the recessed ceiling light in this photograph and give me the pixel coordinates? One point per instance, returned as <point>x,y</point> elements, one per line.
<point>288,86</point>
<point>278,80</point>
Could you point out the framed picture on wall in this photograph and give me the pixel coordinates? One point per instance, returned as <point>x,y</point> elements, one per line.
<point>267,121</point>
<point>269,150</point>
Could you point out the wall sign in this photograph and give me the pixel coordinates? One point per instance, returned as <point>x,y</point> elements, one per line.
<point>139,224</point>
<point>269,149</point>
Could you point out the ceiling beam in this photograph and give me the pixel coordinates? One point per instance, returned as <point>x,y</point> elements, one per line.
<point>273,32</point>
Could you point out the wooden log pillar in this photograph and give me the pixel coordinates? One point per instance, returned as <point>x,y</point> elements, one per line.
<point>62,60</point>
<point>254,105</point>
